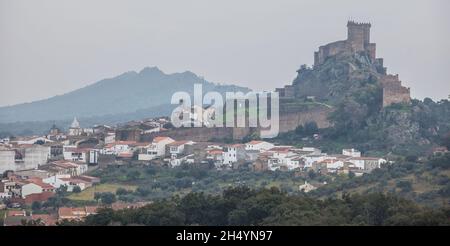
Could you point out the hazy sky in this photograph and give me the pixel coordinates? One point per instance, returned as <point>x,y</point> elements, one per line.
<point>54,46</point>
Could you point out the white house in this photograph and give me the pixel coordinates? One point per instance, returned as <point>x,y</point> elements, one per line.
<point>118,147</point>
<point>156,149</point>
<point>306,187</point>
<point>177,148</point>
<point>66,167</point>
<point>57,180</point>
<point>72,153</point>
<point>258,145</point>
<point>178,160</point>
<point>367,163</point>
<point>351,152</point>
<point>294,162</point>
<point>333,164</point>
<point>34,186</point>
<point>216,156</point>
<point>24,157</point>
<point>110,137</point>
<point>73,182</point>
<point>310,159</point>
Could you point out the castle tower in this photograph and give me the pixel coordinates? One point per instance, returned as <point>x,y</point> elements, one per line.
<point>358,35</point>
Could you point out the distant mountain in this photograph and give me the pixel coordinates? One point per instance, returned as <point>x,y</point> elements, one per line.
<point>128,95</point>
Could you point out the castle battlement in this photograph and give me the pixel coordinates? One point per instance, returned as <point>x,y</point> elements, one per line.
<point>354,23</point>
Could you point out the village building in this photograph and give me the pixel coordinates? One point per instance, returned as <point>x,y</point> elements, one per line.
<point>351,152</point>
<point>156,149</point>
<point>258,145</point>
<point>75,129</point>
<point>233,153</point>
<point>23,157</point>
<point>306,187</point>
<point>69,213</point>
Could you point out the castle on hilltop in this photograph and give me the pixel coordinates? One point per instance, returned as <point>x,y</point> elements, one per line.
<point>358,40</point>
<point>358,45</point>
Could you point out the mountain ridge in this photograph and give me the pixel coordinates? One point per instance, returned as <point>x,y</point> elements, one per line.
<point>128,92</point>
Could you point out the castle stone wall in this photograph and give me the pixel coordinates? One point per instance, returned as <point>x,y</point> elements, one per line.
<point>393,91</point>
<point>200,134</point>
<point>292,117</point>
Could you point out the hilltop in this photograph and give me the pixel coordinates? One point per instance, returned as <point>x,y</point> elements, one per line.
<point>355,102</point>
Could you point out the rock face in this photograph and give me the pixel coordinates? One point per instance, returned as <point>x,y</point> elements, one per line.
<point>343,69</point>
<point>400,128</point>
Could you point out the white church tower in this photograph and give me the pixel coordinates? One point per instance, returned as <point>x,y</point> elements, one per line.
<point>75,129</point>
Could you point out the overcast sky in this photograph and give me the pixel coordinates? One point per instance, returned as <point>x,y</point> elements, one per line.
<point>54,46</point>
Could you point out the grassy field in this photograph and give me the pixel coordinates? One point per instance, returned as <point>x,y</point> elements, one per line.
<point>88,194</point>
<point>2,215</point>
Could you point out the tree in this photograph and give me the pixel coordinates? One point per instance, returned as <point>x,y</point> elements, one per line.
<point>133,175</point>
<point>97,196</point>
<point>121,191</point>
<point>300,130</point>
<point>36,206</point>
<point>40,142</point>
<point>411,158</point>
<point>405,185</point>
<point>311,128</point>
<point>312,174</point>
<point>107,198</point>
<point>76,189</point>
<point>351,175</point>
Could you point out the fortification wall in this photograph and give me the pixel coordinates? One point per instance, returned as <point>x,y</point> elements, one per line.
<point>392,95</point>
<point>200,134</point>
<point>331,49</point>
<point>291,117</point>
<point>393,91</point>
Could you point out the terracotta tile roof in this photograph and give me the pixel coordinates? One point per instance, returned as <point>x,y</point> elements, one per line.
<point>125,155</point>
<point>11,213</point>
<point>77,212</point>
<point>141,144</point>
<point>253,142</point>
<point>159,139</point>
<point>281,149</point>
<point>215,151</point>
<point>120,143</point>
<point>65,212</point>
<point>236,145</point>
<point>178,143</point>
<point>38,181</point>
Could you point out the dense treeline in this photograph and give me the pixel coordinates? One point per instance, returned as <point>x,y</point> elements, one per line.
<point>244,206</point>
